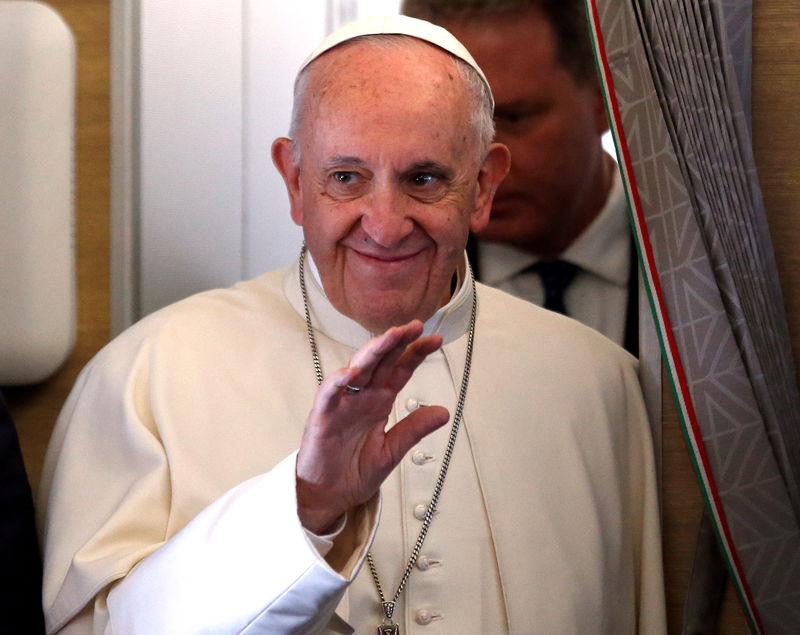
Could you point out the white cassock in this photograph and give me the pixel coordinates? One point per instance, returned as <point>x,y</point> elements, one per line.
<point>170,486</point>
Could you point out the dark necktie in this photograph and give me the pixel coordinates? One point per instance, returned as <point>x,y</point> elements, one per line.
<point>556,276</point>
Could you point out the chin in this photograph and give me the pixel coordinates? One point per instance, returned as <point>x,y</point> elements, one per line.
<point>502,235</point>
<point>380,323</point>
<point>381,316</point>
<point>374,314</point>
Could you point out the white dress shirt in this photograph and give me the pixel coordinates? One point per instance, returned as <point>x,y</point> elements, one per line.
<point>598,295</point>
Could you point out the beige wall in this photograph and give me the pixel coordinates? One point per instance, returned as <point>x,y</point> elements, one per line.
<point>776,130</point>
<point>776,140</point>
<point>35,408</point>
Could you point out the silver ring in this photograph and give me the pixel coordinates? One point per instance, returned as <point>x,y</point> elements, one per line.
<point>353,390</point>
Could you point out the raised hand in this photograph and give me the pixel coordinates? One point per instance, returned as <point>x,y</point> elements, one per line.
<point>346,453</point>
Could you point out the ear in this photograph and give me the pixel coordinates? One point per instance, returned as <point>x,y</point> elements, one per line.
<point>492,172</point>
<point>283,158</point>
<point>598,107</point>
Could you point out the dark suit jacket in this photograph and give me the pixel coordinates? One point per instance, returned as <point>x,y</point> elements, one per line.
<point>20,563</point>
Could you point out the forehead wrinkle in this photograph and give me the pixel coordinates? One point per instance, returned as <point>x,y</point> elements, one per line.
<point>341,159</point>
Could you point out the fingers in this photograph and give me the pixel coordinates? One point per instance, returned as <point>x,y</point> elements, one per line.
<point>346,451</point>
<point>399,351</point>
<point>411,430</point>
<point>332,390</point>
<point>415,353</point>
<point>385,362</point>
<point>385,349</point>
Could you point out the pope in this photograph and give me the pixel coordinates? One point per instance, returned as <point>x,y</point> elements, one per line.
<point>367,439</point>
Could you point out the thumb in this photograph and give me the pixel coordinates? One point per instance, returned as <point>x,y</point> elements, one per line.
<point>411,430</point>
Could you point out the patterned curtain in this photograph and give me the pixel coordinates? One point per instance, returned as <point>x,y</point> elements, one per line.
<point>678,101</point>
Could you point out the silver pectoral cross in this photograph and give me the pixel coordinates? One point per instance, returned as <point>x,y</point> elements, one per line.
<point>388,627</point>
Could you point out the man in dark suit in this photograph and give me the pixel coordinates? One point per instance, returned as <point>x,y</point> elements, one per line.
<point>20,563</point>
<point>559,233</point>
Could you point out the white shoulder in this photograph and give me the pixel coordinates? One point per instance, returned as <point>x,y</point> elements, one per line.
<point>534,331</point>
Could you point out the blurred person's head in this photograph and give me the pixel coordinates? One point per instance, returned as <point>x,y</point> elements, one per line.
<point>538,58</point>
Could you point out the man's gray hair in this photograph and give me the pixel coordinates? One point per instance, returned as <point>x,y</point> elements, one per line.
<point>481,118</point>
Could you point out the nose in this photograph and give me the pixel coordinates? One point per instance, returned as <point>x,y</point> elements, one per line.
<point>385,217</point>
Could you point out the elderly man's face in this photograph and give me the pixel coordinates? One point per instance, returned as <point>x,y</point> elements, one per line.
<point>388,185</point>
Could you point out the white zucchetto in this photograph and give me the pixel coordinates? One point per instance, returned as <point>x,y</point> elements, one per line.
<point>397,25</point>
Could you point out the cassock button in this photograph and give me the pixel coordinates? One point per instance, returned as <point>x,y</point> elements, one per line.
<point>418,457</point>
<point>423,563</point>
<point>412,404</point>
<point>423,617</point>
<point>419,512</point>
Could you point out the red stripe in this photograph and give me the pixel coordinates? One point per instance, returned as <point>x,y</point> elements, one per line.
<point>681,377</point>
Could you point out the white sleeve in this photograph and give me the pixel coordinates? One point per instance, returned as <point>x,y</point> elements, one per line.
<point>243,565</point>
<point>324,543</point>
<point>121,546</point>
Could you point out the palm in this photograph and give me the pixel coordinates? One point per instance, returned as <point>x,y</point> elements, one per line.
<point>346,452</point>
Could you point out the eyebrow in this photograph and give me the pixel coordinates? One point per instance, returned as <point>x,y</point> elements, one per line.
<point>522,102</point>
<point>341,160</point>
<point>517,105</point>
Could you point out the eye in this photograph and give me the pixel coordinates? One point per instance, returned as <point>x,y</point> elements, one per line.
<point>345,178</point>
<point>518,118</point>
<point>427,186</point>
<point>424,180</point>
<point>509,117</point>
<point>511,120</point>
<point>345,184</point>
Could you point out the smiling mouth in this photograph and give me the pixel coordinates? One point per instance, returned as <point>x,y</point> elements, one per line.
<point>386,259</point>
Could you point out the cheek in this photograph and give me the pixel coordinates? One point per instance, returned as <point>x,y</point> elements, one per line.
<point>547,151</point>
<point>533,149</point>
<point>452,232</point>
<point>326,220</point>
